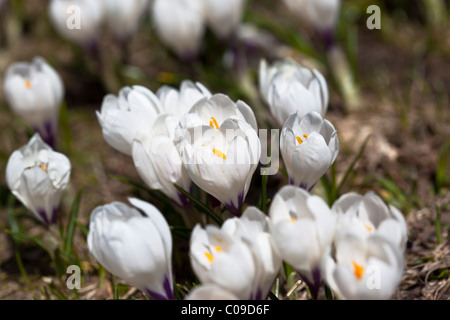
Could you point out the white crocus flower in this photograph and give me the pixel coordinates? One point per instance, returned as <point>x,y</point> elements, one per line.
<point>309,146</point>
<point>38,177</point>
<point>127,115</point>
<point>363,268</point>
<point>222,161</point>
<point>180,25</point>
<point>157,160</point>
<point>367,215</point>
<point>224,17</point>
<point>134,244</point>
<point>288,87</point>
<point>123,17</point>
<point>253,227</point>
<point>35,92</point>
<point>303,229</point>
<point>321,15</point>
<point>213,111</point>
<point>79,21</point>
<point>220,259</point>
<point>179,102</point>
<point>210,291</point>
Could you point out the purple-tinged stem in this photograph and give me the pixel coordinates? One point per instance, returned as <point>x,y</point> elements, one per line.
<point>169,295</point>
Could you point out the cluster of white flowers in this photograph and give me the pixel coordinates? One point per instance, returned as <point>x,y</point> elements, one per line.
<point>36,174</point>
<point>356,247</point>
<point>179,24</point>
<point>191,136</point>
<point>212,141</point>
<point>185,135</point>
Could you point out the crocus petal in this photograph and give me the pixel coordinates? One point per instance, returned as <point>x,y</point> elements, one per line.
<point>288,87</point>
<point>133,246</point>
<point>210,291</point>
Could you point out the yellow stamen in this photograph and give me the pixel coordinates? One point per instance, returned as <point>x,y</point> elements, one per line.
<point>28,84</point>
<point>209,256</point>
<point>358,270</point>
<point>300,141</point>
<point>368,228</point>
<point>213,123</point>
<point>218,248</point>
<point>219,153</point>
<point>43,167</point>
<point>293,219</point>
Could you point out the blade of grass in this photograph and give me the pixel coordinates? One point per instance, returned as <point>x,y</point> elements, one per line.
<point>101,275</point>
<point>157,195</point>
<point>263,195</point>
<point>292,37</point>
<point>66,133</point>
<point>77,295</point>
<point>70,231</point>
<point>352,165</point>
<point>291,282</point>
<point>442,176</point>
<point>327,188</point>
<point>275,289</point>
<point>22,236</point>
<point>116,291</point>
<point>57,293</point>
<point>179,294</point>
<point>272,296</point>
<point>21,267</point>
<point>181,232</point>
<point>46,294</point>
<point>154,193</point>
<point>14,226</point>
<point>397,197</point>
<point>328,292</point>
<point>199,205</point>
<point>59,263</point>
<point>82,227</point>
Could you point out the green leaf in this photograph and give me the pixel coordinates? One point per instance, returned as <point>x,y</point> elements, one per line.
<point>57,293</point>
<point>442,175</point>
<point>328,189</point>
<point>199,205</point>
<point>70,231</point>
<point>12,219</point>
<point>262,202</point>
<point>66,134</point>
<point>182,232</point>
<point>153,193</point>
<point>272,296</point>
<point>397,197</point>
<point>21,267</point>
<point>82,227</point>
<point>352,165</point>
<point>22,236</point>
